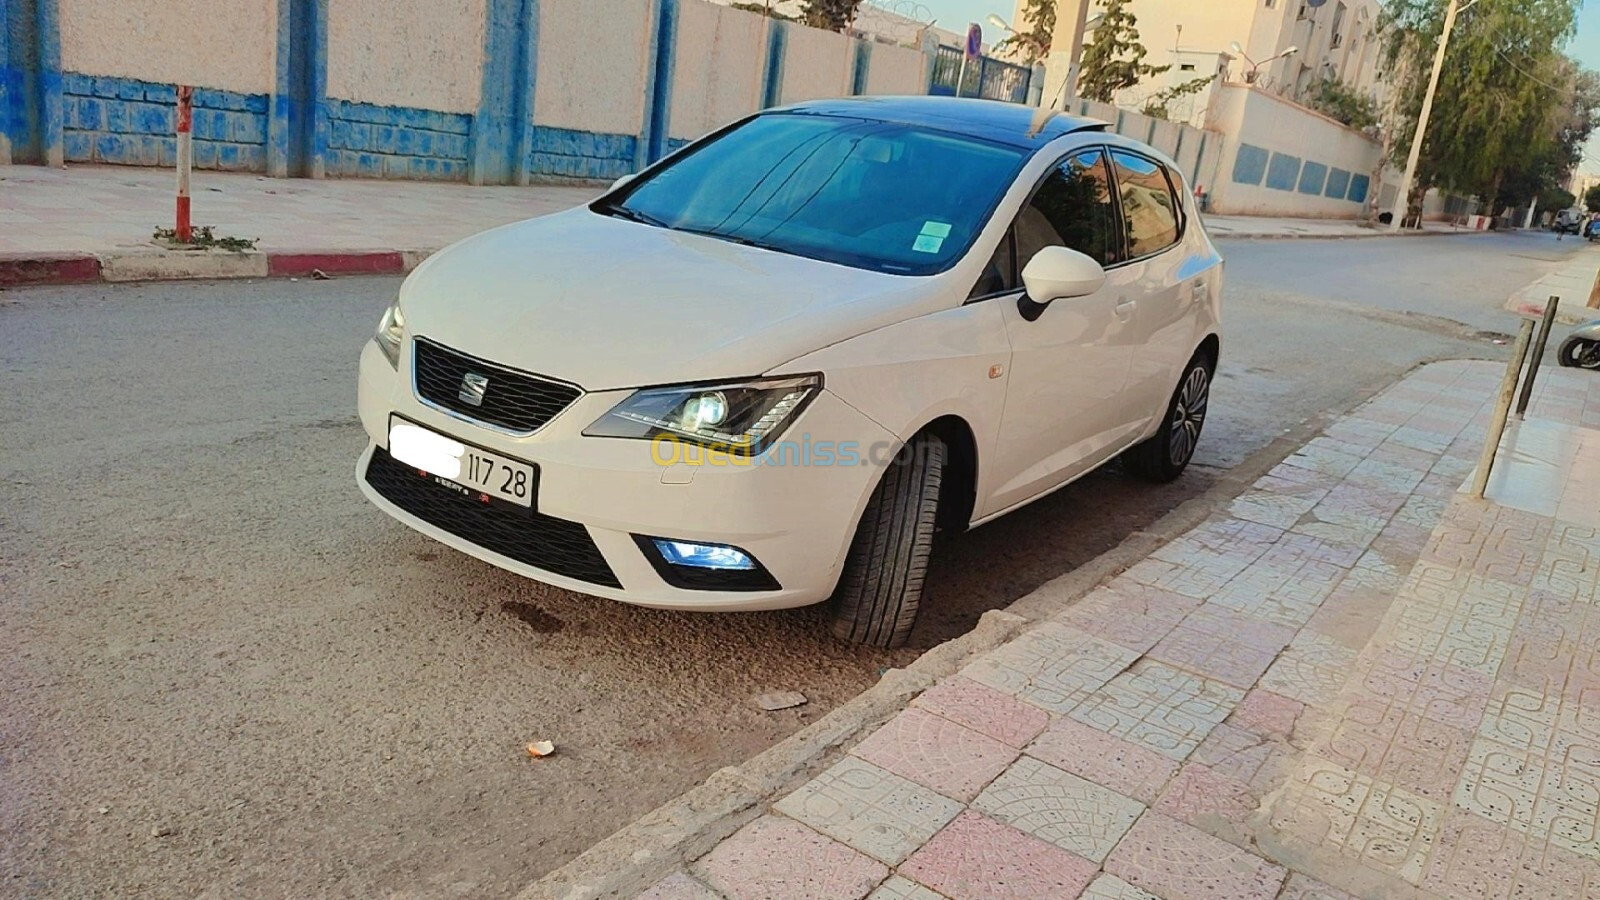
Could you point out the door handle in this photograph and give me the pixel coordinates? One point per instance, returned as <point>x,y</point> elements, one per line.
<point>1197,290</point>
<point>1125,308</point>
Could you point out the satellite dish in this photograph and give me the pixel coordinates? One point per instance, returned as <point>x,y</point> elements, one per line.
<point>1316,3</point>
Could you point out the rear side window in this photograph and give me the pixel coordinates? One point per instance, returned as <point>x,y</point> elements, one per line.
<point>1150,209</point>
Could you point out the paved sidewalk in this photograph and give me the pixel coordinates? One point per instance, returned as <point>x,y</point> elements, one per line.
<point>1282,227</point>
<point>1575,283</point>
<point>1359,682</point>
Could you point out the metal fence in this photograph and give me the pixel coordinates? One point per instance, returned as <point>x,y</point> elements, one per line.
<point>986,77</point>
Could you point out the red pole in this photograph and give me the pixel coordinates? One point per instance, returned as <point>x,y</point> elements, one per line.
<point>185,158</point>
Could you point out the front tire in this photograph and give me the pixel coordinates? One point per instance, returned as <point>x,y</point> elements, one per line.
<point>880,589</point>
<point>1164,456</point>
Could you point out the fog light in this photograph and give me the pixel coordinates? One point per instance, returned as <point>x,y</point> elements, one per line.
<point>704,556</point>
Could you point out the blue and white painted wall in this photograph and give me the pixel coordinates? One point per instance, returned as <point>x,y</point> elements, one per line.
<point>1284,160</point>
<point>488,91</point>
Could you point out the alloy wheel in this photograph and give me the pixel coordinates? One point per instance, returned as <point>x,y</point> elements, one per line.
<point>1188,415</point>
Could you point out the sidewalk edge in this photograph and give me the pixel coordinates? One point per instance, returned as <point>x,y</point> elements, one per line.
<point>41,269</point>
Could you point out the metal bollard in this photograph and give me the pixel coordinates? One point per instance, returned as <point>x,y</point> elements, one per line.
<point>1538,354</point>
<point>185,160</point>
<point>1497,426</point>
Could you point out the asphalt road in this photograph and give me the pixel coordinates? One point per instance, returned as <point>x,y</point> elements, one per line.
<point>225,675</point>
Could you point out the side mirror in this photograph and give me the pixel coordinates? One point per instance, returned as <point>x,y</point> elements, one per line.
<point>1058,273</point>
<point>619,183</point>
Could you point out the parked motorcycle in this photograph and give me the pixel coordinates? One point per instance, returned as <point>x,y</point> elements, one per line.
<point>1581,350</point>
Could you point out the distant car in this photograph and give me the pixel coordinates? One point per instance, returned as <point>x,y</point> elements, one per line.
<point>1568,221</point>
<point>765,371</point>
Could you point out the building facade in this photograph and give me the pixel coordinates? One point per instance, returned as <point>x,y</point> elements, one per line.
<point>1332,39</point>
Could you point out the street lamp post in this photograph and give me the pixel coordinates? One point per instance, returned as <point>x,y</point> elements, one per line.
<point>1255,67</point>
<point>1402,202</point>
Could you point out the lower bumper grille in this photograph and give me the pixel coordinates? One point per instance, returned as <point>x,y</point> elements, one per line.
<point>544,542</point>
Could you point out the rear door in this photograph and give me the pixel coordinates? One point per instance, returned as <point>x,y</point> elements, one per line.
<point>1063,413</point>
<point>1161,332</point>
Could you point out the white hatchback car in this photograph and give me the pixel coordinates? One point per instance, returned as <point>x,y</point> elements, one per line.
<point>762,373</point>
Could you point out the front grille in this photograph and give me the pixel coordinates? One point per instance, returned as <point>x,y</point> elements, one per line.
<point>544,542</point>
<point>514,401</point>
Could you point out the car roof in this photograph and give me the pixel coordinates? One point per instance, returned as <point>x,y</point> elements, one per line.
<point>1025,127</point>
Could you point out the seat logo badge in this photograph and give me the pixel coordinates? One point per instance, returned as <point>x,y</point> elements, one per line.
<point>473,387</point>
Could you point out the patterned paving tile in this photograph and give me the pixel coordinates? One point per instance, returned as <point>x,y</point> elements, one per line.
<point>1053,666</point>
<point>1384,827</point>
<point>900,888</point>
<point>1570,565</point>
<point>1280,588</point>
<point>1059,807</point>
<point>1155,705</point>
<point>1549,790</point>
<point>778,857</point>
<point>1218,643</point>
<point>1481,860</point>
<point>1179,862</point>
<point>1311,670</point>
<point>1302,887</point>
<point>1453,615</point>
<point>1352,612</point>
<point>1491,541</point>
<point>872,810</point>
<point>1207,799</point>
<point>985,710</point>
<point>1274,508</point>
<point>1267,714</point>
<point>1327,457</point>
<point>977,858</point>
<point>937,753</point>
<point>1126,768</point>
<point>1129,613</point>
<point>1110,887</point>
<point>1391,743</point>
<point>679,886</point>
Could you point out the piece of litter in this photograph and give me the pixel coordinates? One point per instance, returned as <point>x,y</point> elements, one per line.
<point>104,809</point>
<point>160,831</point>
<point>319,275</point>
<point>541,749</point>
<point>780,700</point>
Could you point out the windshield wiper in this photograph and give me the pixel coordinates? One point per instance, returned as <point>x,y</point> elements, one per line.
<point>737,239</point>
<point>632,215</point>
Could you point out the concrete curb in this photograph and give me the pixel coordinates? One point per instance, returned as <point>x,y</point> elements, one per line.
<point>154,264</point>
<point>637,856</point>
<point>1572,283</point>
<point>1279,236</point>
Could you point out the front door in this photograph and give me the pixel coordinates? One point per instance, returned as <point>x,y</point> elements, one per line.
<point>1064,412</point>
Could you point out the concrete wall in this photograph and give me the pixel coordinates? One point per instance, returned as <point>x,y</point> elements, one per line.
<point>1284,160</point>
<point>720,59</point>
<point>418,54</point>
<point>225,44</point>
<point>487,91</point>
<point>896,70</point>
<point>816,64</point>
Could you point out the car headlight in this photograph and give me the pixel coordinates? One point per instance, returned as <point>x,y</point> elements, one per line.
<point>743,419</point>
<point>391,332</point>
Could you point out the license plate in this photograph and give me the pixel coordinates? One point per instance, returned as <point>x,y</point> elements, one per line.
<point>473,470</point>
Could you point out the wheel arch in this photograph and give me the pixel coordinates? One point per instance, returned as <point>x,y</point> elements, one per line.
<point>959,496</point>
<point>1211,346</point>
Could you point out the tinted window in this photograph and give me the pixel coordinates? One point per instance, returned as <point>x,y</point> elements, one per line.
<point>874,195</point>
<point>1072,208</point>
<point>1149,210</point>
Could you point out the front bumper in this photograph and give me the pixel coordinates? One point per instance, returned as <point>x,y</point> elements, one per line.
<point>795,514</point>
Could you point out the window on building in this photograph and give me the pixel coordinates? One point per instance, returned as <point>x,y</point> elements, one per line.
<point>1186,67</point>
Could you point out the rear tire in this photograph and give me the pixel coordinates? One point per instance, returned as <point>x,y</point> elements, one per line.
<point>1577,352</point>
<point>880,589</point>
<point>1164,456</point>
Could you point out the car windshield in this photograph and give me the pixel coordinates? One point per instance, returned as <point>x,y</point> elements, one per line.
<point>873,195</point>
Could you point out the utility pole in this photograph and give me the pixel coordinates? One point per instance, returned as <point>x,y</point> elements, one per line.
<point>1080,28</point>
<point>1402,203</point>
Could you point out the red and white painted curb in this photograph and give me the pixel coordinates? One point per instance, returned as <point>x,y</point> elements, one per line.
<point>18,269</point>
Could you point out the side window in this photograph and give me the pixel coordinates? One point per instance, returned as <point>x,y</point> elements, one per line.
<point>1149,210</point>
<point>1072,208</point>
<point>1000,275</point>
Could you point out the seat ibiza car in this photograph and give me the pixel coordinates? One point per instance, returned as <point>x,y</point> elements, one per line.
<point>765,371</point>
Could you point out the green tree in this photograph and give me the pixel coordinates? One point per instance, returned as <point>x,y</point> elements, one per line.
<point>764,9</point>
<point>1591,199</point>
<point>834,15</point>
<point>1114,59</point>
<point>1159,104</point>
<point>1336,100</point>
<point>1553,199</point>
<point>1032,44</point>
<point>1499,97</point>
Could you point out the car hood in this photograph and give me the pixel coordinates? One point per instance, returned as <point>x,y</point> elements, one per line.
<point>608,303</point>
